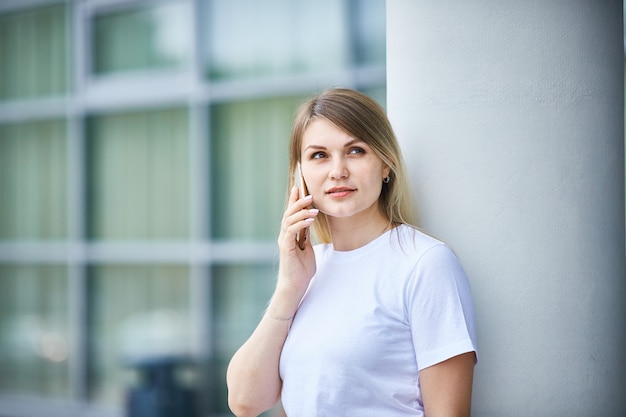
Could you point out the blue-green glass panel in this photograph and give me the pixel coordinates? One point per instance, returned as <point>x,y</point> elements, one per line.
<point>378,93</point>
<point>240,294</point>
<point>369,20</point>
<point>34,330</point>
<point>136,312</point>
<point>141,38</point>
<point>249,167</point>
<point>33,53</point>
<point>33,180</point>
<point>138,175</point>
<point>249,38</point>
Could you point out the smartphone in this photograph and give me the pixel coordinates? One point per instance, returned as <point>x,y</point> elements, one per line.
<point>303,234</point>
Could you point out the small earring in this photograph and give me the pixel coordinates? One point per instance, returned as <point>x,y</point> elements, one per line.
<point>387,179</point>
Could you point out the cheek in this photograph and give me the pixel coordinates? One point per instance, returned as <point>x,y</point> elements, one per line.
<point>375,185</point>
<point>316,190</point>
<point>313,183</point>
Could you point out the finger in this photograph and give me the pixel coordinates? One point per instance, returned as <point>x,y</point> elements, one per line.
<point>301,219</point>
<point>298,205</point>
<point>293,223</point>
<point>293,195</point>
<point>307,216</point>
<point>298,228</point>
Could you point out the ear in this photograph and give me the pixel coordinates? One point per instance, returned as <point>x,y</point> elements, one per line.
<point>386,171</point>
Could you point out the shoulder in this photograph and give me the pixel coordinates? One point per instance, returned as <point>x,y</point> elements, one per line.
<point>417,245</point>
<point>433,262</point>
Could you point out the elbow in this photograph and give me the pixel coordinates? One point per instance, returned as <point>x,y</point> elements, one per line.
<point>242,408</point>
<point>239,410</point>
<point>247,398</point>
<point>243,405</point>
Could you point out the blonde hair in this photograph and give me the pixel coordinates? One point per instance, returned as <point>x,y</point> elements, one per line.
<point>364,119</point>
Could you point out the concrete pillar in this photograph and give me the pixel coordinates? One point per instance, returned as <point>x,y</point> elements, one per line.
<point>511,117</point>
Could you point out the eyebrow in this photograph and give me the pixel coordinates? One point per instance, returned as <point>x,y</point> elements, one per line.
<point>346,145</point>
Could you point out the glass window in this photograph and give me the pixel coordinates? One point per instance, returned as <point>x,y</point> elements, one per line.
<point>240,294</point>
<point>136,312</point>
<point>34,330</point>
<point>249,161</point>
<point>141,38</point>
<point>33,182</point>
<point>137,175</point>
<point>369,21</point>
<point>249,38</point>
<point>34,53</point>
<point>377,93</point>
<point>138,186</point>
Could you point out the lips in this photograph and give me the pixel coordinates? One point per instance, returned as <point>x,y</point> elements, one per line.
<point>340,191</point>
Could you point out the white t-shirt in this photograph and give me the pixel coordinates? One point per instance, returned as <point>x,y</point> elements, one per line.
<point>371,319</point>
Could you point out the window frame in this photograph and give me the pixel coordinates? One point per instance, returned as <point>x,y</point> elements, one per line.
<point>91,95</point>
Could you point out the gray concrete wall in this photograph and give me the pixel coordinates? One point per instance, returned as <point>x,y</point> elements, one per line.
<point>510,114</point>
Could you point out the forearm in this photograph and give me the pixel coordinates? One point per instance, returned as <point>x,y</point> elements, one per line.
<point>253,378</point>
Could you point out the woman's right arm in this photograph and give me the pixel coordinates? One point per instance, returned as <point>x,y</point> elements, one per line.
<point>253,379</point>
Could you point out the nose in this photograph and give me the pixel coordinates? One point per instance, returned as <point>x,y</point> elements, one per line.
<point>339,169</point>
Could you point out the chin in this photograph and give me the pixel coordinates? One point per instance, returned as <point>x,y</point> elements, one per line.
<point>339,214</point>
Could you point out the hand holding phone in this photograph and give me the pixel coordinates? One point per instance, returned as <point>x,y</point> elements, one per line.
<point>303,234</point>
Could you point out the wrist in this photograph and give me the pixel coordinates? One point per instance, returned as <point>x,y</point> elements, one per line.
<point>284,304</point>
<point>271,316</point>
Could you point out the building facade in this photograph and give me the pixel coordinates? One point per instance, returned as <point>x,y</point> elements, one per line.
<point>143,161</point>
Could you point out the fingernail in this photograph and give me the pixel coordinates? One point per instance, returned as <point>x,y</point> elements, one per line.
<point>308,197</point>
<point>309,219</point>
<point>314,211</point>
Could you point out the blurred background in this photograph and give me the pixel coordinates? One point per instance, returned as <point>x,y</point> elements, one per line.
<point>143,163</point>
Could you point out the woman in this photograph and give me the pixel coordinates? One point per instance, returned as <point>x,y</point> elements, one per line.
<point>376,319</point>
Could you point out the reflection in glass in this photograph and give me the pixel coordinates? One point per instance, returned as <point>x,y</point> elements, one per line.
<point>250,38</point>
<point>33,185</point>
<point>138,186</point>
<point>239,297</point>
<point>141,38</point>
<point>136,312</point>
<point>33,53</point>
<point>34,330</point>
<point>249,157</point>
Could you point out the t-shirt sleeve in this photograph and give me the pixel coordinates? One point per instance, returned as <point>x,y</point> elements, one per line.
<point>439,308</point>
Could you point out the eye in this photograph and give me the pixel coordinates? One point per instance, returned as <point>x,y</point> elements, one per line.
<point>356,151</point>
<point>318,155</point>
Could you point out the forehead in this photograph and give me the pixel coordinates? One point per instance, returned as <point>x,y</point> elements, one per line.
<point>321,132</point>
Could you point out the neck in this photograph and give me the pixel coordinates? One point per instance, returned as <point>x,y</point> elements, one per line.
<point>356,231</point>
